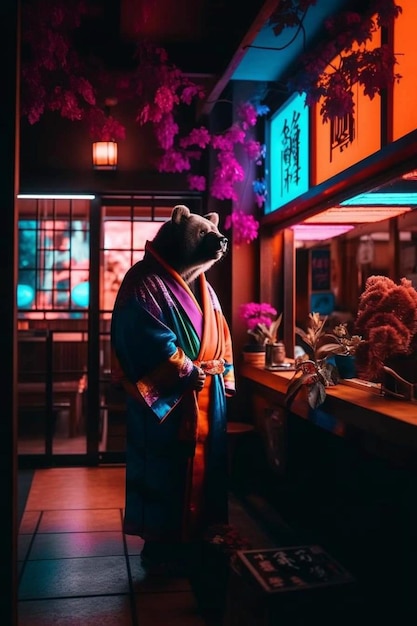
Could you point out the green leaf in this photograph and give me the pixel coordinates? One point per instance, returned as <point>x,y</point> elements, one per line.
<point>329,348</point>
<point>292,390</point>
<point>295,385</point>
<point>316,394</point>
<point>301,333</point>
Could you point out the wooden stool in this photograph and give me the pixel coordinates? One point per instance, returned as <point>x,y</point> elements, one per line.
<point>235,430</point>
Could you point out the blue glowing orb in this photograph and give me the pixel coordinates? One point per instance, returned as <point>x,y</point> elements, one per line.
<point>25,295</point>
<point>80,294</point>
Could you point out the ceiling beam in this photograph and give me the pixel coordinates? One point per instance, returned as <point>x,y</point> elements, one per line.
<point>221,83</point>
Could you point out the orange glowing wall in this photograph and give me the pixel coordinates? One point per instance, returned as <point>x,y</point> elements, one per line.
<point>405,91</point>
<point>366,140</point>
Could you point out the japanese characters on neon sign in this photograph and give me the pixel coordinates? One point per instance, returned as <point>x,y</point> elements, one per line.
<point>288,153</point>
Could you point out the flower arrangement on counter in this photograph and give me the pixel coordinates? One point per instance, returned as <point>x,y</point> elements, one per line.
<point>314,370</point>
<point>261,321</point>
<point>348,342</point>
<point>387,320</point>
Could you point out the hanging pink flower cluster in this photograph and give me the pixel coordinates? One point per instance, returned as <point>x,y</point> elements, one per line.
<point>49,79</point>
<point>330,71</point>
<point>229,171</point>
<point>104,127</point>
<point>55,78</point>
<point>245,227</point>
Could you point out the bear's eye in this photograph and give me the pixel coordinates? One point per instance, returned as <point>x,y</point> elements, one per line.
<point>203,233</point>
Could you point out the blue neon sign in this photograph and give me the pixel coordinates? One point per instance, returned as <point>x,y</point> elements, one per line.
<point>288,171</point>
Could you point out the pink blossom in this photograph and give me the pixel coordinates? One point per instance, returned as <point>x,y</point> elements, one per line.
<point>245,227</point>
<point>84,88</point>
<point>222,142</point>
<point>104,128</point>
<point>225,176</point>
<point>53,80</point>
<point>236,134</point>
<point>197,182</point>
<point>333,84</point>
<point>190,92</point>
<point>248,114</point>
<point>35,113</point>
<point>67,103</point>
<point>260,200</point>
<point>254,313</point>
<point>173,161</point>
<point>198,136</point>
<point>112,130</point>
<point>253,149</point>
<point>166,131</point>
<point>165,99</point>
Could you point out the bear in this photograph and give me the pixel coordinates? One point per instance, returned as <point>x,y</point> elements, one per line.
<point>190,243</point>
<point>172,353</point>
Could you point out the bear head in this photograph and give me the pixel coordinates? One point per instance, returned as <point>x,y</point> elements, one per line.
<point>190,243</point>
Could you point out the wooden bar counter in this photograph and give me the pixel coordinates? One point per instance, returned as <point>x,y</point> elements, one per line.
<point>360,407</point>
<point>343,476</point>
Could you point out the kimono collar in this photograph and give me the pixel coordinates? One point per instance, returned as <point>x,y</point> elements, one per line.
<point>180,289</point>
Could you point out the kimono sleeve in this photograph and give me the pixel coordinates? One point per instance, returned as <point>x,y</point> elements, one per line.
<point>146,351</point>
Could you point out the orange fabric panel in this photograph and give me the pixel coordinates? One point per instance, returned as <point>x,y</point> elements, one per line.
<point>328,159</point>
<point>405,92</point>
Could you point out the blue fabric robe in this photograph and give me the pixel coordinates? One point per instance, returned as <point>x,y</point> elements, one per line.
<point>176,447</point>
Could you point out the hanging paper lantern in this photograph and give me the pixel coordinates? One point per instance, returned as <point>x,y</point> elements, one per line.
<point>80,294</point>
<point>25,295</point>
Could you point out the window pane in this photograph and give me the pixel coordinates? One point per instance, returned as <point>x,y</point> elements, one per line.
<point>53,261</point>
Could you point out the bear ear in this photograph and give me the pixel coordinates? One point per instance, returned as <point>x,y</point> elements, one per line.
<point>180,212</point>
<point>212,217</point>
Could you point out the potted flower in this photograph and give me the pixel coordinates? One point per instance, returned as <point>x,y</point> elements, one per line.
<point>346,360</point>
<point>219,546</point>
<point>262,326</point>
<point>387,320</point>
<point>314,371</point>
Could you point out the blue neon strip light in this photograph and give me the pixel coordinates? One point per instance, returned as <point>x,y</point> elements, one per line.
<point>381,199</point>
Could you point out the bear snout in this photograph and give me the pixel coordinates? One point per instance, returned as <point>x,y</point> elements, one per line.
<point>223,244</point>
<point>220,244</point>
<point>216,242</point>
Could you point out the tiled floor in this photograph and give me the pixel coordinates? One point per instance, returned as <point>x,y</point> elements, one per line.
<point>77,568</point>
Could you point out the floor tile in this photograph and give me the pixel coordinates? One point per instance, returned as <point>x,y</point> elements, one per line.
<point>91,611</point>
<point>85,520</point>
<point>168,609</point>
<point>66,545</point>
<point>73,570</point>
<point>77,488</point>
<point>30,520</point>
<point>145,583</point>
<point>23,543</point>
<point>74,577</point>
<point>134,544</point>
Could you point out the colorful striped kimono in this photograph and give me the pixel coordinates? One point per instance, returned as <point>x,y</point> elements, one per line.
<point>176,447</point>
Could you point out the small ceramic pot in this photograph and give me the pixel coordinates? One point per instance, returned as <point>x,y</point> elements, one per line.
<point>346,365</point>
<point>254,354</point>
<point>274,354</point>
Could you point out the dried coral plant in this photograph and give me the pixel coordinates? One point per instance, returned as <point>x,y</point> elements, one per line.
<point>387,321</point>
